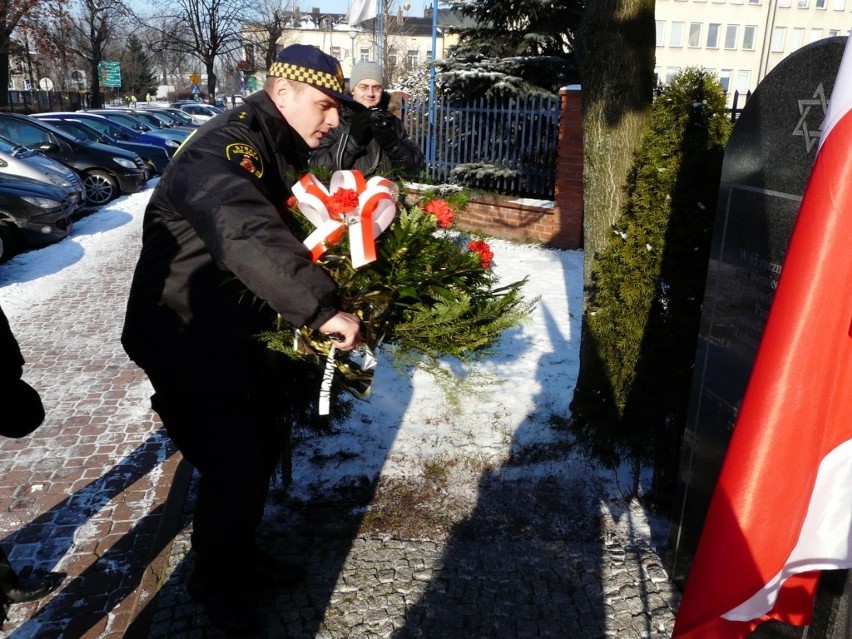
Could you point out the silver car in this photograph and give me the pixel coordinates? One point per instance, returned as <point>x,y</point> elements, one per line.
<point>21,161</point>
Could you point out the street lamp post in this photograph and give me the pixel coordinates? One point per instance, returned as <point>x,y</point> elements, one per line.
<point>352,34</point>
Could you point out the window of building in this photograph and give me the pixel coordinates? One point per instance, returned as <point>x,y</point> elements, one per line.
<point>754,1</point>
<point>743,78</point>
<point>429,55</point>
<point>797,38</point>
<point>694,34</point>
<point>783,3</point>
<point>777,43</point>
<point>820,4</point>
<point>731,36</point>
<point>816,34</point>
<point>676,34</point>
<point>838,5</point>
<point>661,25</point>
<point>736,1</point>
<point>725,79</point>
<point>802,4</point>
<point>336,53</point>
<point>393,59</point>
<point>833,32</point>
<point>671,72</point>
<point>749,35</point>
<point>656,75</point>
<point>412,58</point>
<point>364,55</point>
<point>713,35</point>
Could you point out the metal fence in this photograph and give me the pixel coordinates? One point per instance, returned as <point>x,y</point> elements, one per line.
<point>38,101</point>
<point>507,145</point>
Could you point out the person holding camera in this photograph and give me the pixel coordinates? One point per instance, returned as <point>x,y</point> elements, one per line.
<point>370,140</point>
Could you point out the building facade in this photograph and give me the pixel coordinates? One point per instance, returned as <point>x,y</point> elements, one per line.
<point>405,41</point>
<point>741,40</point>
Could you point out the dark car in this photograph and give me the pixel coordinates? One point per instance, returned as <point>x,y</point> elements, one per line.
<point>32,213</point>
<point>95,128</point>
<point>107,171</point>
<point>180,118</point>
<point>173,137</point>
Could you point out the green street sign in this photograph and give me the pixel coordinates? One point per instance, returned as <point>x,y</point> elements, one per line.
<point>109,73</point>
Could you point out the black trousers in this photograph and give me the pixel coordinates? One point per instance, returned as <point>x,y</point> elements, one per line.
<point>228,434</point>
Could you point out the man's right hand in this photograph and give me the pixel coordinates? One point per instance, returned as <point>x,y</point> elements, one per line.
<point>359,127</point>
<point>345,327</point>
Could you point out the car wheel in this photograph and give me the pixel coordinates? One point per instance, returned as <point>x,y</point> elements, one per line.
<point>100,187</point>
<point>152,168</point>
<point>9,241</point>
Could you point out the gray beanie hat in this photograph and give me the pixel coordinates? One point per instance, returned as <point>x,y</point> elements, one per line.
<point>366,70</point>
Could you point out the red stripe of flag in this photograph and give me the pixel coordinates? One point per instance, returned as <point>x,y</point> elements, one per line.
<point>769,516</point>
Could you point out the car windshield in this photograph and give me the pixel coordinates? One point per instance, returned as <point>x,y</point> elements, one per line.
<point>77,130</point>
<point>180,115</point>
<point>129,120</point>
<point>7,146</point>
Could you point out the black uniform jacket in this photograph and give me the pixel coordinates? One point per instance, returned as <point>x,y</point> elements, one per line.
<point>214,245</point>
<point>339,151</point>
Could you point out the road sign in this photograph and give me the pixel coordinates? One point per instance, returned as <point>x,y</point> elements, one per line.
<point>45,84</point>
<point>110,73</point>
<point>195,78</point>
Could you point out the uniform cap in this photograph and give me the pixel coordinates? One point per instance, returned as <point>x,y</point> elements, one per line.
<point>305,63</point>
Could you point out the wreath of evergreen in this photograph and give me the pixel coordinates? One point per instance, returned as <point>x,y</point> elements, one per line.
<point>430,294</point>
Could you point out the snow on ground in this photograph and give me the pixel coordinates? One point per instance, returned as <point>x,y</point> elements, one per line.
<point>408,423</point>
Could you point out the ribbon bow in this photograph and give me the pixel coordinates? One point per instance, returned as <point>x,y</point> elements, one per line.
<point>333,212</point>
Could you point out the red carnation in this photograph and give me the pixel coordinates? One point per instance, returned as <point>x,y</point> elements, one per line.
<point>485,252</point>
<point>441,210</point>
<point>343,201</point>
<point>291,201</point>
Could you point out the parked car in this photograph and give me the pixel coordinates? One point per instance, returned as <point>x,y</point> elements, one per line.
<point>199,112</point>
<point>155,151</point>
<point>107,171</point>
<point>173,137</point>
<point>21,161</point>
<point>32,213</point>
<point>157,120</point>
<point>182,118</point>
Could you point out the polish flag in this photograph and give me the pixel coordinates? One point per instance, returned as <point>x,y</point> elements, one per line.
<point>782,508</point>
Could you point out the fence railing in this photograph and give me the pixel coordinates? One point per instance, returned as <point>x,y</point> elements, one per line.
<point>38,101</point>
<point>507,145</point>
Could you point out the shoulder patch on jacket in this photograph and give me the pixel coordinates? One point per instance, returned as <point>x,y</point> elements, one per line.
<point>246,156</point>
<point>242,114</point>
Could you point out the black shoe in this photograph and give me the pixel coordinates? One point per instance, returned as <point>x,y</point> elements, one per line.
<point>32,588</point>
<point>233,613</point>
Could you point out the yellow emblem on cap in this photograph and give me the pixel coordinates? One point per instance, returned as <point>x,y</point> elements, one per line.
<point>246,156</point>
<point>308,76</point>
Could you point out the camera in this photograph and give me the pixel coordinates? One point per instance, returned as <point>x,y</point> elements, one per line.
<point>378,118</point>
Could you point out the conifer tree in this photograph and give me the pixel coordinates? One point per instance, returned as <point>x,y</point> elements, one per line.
<point>137,75</point>
<point>647,285</point>
<point>514,47</point>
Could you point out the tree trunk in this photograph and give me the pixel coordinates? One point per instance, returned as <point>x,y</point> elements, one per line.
<point>615,50</point>
<point>615,53</point>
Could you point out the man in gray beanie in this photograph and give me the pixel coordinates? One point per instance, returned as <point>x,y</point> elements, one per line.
<point>372,141</point>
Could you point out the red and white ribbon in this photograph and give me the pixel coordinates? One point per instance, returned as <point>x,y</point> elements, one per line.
<point>376,210</point>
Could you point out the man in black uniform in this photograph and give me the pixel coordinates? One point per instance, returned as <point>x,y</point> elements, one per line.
<point>213,246</point>
<point>373,141</point>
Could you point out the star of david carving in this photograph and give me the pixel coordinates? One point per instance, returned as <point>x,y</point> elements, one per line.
<point>809,113</point>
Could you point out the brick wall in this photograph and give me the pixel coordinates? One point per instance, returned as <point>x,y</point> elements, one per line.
<point>558,223</point>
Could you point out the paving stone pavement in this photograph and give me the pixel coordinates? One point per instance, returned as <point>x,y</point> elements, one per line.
<point>99,493</point>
